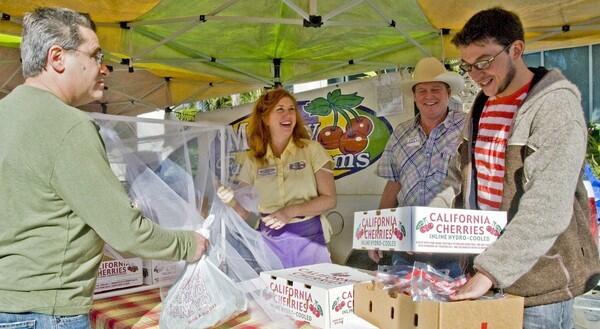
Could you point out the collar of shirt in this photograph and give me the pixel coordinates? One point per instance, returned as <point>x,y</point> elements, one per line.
<point>450,120</point>
<point>290,149</point>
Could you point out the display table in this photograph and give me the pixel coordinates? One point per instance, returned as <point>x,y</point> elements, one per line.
<point>142,311</point>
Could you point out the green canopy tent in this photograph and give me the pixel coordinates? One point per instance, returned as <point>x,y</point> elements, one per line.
<point>202,49</point>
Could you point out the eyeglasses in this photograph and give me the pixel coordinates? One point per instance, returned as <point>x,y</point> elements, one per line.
<point>483,64</point>
<point>98,55</point>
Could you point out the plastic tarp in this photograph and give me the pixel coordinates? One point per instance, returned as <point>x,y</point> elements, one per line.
<point>214,48</point>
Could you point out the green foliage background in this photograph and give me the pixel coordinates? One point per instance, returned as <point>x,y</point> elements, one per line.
<point>593,148</point>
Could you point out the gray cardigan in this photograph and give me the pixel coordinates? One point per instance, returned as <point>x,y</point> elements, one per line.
<point>546,253</point>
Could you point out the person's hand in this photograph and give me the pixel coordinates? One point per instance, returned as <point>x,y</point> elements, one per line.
<point>201,246</point>
<point>476,287</point>
<point>277,220</point>
<point>226,195</point>
<point>375,255</point>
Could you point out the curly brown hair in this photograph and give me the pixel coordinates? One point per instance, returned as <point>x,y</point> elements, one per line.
<point>258,132</point>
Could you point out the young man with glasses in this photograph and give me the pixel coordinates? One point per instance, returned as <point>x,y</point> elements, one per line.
<point>523,152</point>
<point>59,198</point>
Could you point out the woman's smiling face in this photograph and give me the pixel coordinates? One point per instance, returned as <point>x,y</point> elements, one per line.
<point>281,120</point>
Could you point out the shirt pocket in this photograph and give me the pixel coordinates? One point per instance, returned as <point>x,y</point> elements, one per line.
<point>439,166</point>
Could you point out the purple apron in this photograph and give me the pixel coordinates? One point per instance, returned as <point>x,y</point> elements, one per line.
<point>298,244</point>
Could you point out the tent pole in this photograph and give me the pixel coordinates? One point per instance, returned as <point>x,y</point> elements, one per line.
<point>556,31</point>
<point>155,88</point>
<point>544,36</point>
<point>136,99</point>
<point>124,110</point>
<point>297,9</point>
<point>234,19</point>
<point>169,96</point>
<point>355,61</point>
<point>172,36</point>
<point>199,91</point>
<point>241,60</point>
<point>10,18</point>
<point>443,45</point>
<point>129,43</point>
<point>381,13</point>
<point>340,9</point>
<point>588,25</point>
<point>277,72</point>
<point>312,7</point>
<point>223,7</point>
<point>256,77</point>
<point>11,77</point>
<point>210,59</point>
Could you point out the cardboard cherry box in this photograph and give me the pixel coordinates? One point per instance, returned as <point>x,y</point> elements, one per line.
<point>119,273</point>
<point>320,294</point>
<point>427,229</point>
<point>399,311</point>
<point>161,272</point>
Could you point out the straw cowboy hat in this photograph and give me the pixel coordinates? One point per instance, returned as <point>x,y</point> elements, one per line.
<point>430,69</point>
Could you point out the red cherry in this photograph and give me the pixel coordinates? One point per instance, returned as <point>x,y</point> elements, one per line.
<point>360,125</point>
<point>330,137</point>
<point>352,143</point>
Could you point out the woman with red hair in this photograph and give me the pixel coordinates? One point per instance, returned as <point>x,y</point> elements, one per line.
<point>294,179</point>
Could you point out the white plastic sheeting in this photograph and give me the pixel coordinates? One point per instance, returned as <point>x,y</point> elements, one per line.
<point>171,170</point>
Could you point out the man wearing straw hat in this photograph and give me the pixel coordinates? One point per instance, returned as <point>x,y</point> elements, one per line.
<point>415,159</point>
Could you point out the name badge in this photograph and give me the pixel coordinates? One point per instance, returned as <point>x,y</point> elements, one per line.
<point>269,171</point>
<point>297,165</point>
<point>413,141</point>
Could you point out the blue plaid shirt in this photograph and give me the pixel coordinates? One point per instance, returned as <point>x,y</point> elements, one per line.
<point>420,162</point>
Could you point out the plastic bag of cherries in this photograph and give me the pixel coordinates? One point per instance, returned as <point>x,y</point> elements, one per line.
<point>395,278</point>
<point>421,281</point>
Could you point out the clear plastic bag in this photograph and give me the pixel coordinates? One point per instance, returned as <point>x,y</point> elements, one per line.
<point>430,284</point>
<point>395,278</point>
<point>203,297</point>
<point>171,171</point>
<point>421,281</point>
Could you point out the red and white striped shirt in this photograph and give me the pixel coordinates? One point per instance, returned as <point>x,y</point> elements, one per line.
<point>495,125</point>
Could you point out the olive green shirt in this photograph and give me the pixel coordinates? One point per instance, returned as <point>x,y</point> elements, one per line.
<point>59,200</point>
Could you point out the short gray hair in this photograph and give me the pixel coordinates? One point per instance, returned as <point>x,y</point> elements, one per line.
<point>46,27</point>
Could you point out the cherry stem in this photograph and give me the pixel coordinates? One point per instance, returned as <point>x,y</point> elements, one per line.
<point>354,113</point>
<point>343,113</point>
<point>335,118</point>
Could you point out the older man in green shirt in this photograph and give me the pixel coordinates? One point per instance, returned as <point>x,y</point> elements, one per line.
<point>58,196</point>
